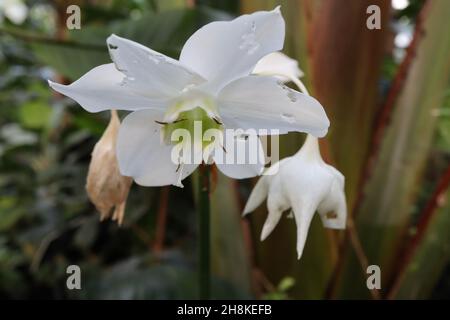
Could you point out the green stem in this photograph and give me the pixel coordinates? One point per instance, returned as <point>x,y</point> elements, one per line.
<point>204,233</point>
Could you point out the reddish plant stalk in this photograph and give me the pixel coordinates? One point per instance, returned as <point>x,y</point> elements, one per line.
<point>161,220</point>
<point>426,216</point>
<point>381,124</point>
<point>387,109</point>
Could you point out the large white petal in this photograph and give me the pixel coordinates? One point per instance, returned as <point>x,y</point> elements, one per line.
<point>303,213</point>
<point>149,72</point>
<point>261,189</point>
<point>226,50</point>
<point>258,194</point>
<point>334,201</point>
<point>258,102</point>
<point>102,89</point>
<point>241,156</point>
<point>143,156</point>
<point>277,203</point>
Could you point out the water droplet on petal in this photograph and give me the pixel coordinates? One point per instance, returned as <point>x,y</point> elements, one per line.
<point>291,95</point>
<point>248,40</point>
<point>282,85</point>
<point>156,58</point>
<point>188,88</point>
<point>288,117</point>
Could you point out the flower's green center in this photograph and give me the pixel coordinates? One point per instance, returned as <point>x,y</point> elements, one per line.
<point>194,123</point>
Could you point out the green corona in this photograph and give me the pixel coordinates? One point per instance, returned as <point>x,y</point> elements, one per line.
<point>186,120</point>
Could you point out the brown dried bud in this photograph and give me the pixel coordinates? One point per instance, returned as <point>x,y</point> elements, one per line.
<point>106,187</point>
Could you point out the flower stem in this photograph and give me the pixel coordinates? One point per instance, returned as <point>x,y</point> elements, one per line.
<point>204,271</point>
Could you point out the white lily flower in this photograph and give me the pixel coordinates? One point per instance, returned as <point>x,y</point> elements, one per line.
<point>305,184</point>
<point>211,82</point>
